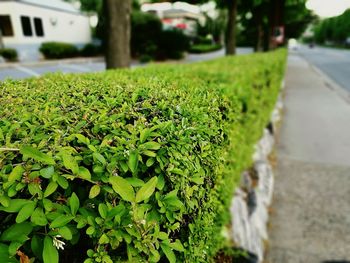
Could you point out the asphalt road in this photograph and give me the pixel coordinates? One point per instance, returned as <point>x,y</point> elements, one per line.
<point>335,63</point>
<point>20,71</point>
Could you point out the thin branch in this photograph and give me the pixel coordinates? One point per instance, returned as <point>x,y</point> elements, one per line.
<point>9,150</point>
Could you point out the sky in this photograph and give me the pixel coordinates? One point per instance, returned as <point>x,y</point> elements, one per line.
<point>328,8</point>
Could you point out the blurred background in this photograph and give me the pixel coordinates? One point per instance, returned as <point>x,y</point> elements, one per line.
<point>39,36</point>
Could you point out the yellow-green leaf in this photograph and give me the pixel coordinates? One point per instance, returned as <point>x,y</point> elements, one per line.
<point>37,155</point>
<point>16,174</point>
<point>94,191</point>
<point>50,253</point>
<point>50,189</point>
<point>123,188</point>
<point>147,190</point>
<point>25,212</point>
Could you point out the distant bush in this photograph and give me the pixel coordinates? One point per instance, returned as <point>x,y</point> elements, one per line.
<point>9,54</point>
<point>53,50</point>
<point>145,30</point>
<point>130,165</point>
<point>172,44</point>
<point>204,48</point>
<point>90,50</point>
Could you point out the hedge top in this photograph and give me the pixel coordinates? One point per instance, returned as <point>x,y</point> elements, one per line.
<point>136,165</point>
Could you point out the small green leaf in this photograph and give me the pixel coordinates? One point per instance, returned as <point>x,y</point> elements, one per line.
<point>62,181</point>
<point>90,230</point>
<point>144,134</point>
<point>151,146</point>
<point>47,204</point>
<point>50,253</point>
<point>61,221</point>
<point>65,232</point>
<point>149,153</point>
<point>38,217</point>
<point>15,205</point>
<point>17,232</point>
<point>26,211</point>
<point>74,203</point>
<point>94,191</point>
<point>5,201</point>
<point>150,162</point>
<point>133,161</point>
<point>16,174</point>
<point>147,190</point>
<point>177,246</point>
<point>103,239</point>
<point>13,247</point>
<point>168,253</point>
<point>135,182</point>
<point>103,210</point>
<point>69,162</point>
<point>123,188</point>
<point>37,155</point>
<point>50,189</point>
<point>84,173</point>
<point>47,172</point>
<point>99,157</point>
<point>81,138</point>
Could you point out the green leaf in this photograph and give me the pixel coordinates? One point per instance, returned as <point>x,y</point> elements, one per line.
<point>4,255</point>
<point>47,204</point>
<point>37,155</point>
<point>133,161</point>
<point>123,188</point>
<point>69,162</point>
<point>47,172</point>
<point>38,217</point>
<point>94,191</point>
<point>103,239</point>
<point>60,221</point>
<point>50,189</point>
<point>84,173</point>
<point>168,253</point>
<point>135,182</point>
<point>65,232</point>
<point>50,253</point>
<point>36,245</point>
<point>25,212</point>
<point>17,232</point>
<point>13,247</point>
<point>151,146</point>
<point>16,174</point>
<point>149,153</point>
<point>81,138</point>
<point>15,205</point>
<point>144,134</point>
<point>99,157</point>
<point>147,190</point>
<point>62,181</point>
<point>150,162</point>
<point>177,245</point>
<point>103,210</point>
<point>74,203</point>
<point>5,201</point>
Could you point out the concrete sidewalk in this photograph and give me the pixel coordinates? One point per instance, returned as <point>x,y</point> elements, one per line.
<point>310,218</point>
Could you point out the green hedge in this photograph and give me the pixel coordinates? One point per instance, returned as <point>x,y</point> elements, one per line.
<point>130,165</point>
<point>54,50</point>
<point>204,48</point>
<point>9,54</point>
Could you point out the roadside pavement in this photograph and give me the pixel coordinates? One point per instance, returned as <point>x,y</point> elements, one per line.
<point>310,216</point>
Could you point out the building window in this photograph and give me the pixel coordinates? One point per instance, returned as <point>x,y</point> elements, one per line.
<point>26,26</point>
<point>6,26</point>
<point>38,24</point>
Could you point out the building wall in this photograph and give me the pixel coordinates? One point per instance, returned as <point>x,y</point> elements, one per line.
<point>58,25</point>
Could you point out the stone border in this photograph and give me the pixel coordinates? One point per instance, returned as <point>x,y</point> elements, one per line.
<point>251,201</point>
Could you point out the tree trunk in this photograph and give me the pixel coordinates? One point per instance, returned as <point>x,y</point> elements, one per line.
<point>276,19</point>
<point>117,13</point>
<point>258,17</point>
<point>231,27</point>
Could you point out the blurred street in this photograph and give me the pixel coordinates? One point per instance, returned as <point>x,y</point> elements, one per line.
<point>335,63</point>
<point>20,71</point>
<point>311,212</point>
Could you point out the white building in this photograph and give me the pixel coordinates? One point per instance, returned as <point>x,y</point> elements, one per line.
<point>178,15</point>
<point>25,24</point>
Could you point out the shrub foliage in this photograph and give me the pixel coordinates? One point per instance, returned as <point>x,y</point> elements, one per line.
<point>9,54</point>
<point>136,166</point>
<point>54,50</point>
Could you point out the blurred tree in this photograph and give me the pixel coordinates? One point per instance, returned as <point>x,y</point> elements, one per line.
<point>117,34</point>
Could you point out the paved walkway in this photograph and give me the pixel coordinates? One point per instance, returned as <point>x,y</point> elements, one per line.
<point>310,219</point>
